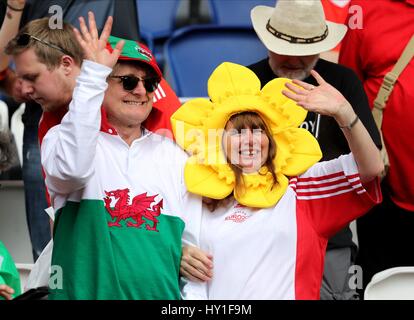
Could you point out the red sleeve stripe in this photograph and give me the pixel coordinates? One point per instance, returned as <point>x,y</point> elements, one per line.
<point>159,94</point>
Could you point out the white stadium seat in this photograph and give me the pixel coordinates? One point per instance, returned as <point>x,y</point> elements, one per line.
<point>391,284</point>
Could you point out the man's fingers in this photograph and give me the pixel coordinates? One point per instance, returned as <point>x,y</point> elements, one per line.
<point>79,37</point>
<point>118,49</point>
<point>84,30</point>
<point>106,32</point>
<point>92,26</point>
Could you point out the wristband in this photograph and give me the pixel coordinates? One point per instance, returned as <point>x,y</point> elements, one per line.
<point>15,9</point>
<point>349,126</point>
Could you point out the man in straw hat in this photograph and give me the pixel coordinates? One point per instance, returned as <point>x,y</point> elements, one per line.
<point>295,32</point>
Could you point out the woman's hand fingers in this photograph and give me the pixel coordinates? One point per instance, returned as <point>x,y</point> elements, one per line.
<point>196,264</point>
<point>193,273</point>
<point>318,78</point>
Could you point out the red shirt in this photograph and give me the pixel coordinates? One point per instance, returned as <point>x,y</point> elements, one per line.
<point>372,52</point>
<point>336,11</point>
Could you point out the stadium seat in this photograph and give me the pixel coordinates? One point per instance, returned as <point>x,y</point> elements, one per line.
<point>156,23</point>
<point>391,284</point>
<point>193,52</point>
<point>17,128</point>
<point>235,12</point>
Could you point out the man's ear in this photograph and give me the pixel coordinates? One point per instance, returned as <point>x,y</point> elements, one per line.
<point>67,64</point>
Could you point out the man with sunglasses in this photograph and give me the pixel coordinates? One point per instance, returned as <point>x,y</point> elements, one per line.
<point>117,188</point>
<point>165,100</point>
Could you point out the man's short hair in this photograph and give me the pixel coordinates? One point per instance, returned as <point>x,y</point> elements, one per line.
<point>63,38</point>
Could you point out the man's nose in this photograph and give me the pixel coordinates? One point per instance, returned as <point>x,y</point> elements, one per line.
<point>27,88</point>
<point>140,88</point>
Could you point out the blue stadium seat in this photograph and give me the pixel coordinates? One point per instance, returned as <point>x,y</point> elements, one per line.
<point>192,53</point>
<point>156,23</point>
<point>235,12</point>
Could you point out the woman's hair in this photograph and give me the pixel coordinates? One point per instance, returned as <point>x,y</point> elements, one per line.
<point>251,120</point>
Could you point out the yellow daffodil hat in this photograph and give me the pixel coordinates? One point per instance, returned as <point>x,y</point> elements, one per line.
<point>199,124</point>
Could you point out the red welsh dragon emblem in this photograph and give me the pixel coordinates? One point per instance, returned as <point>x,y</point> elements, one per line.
<point>139,208</point>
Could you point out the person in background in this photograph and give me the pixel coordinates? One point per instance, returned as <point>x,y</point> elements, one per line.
<point>385,235</point>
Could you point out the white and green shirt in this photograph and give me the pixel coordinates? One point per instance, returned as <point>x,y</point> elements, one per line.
<point>121,210</point>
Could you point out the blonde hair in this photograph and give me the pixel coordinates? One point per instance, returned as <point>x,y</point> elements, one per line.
<point>63,38</point>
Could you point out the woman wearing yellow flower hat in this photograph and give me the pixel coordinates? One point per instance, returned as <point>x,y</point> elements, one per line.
<point>270,207</point>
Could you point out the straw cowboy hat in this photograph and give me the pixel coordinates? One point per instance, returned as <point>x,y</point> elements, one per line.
<point>296,28</point>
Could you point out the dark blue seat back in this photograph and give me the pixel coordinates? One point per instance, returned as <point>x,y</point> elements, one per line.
<point>193,53</point>
<point>156,19</point>
<point>235,12</point>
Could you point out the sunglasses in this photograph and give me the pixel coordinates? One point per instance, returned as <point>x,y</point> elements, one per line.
<point>129,83</point>
<point>24,39</point>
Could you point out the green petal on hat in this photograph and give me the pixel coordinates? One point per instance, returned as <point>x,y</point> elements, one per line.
<point>230,79</point>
